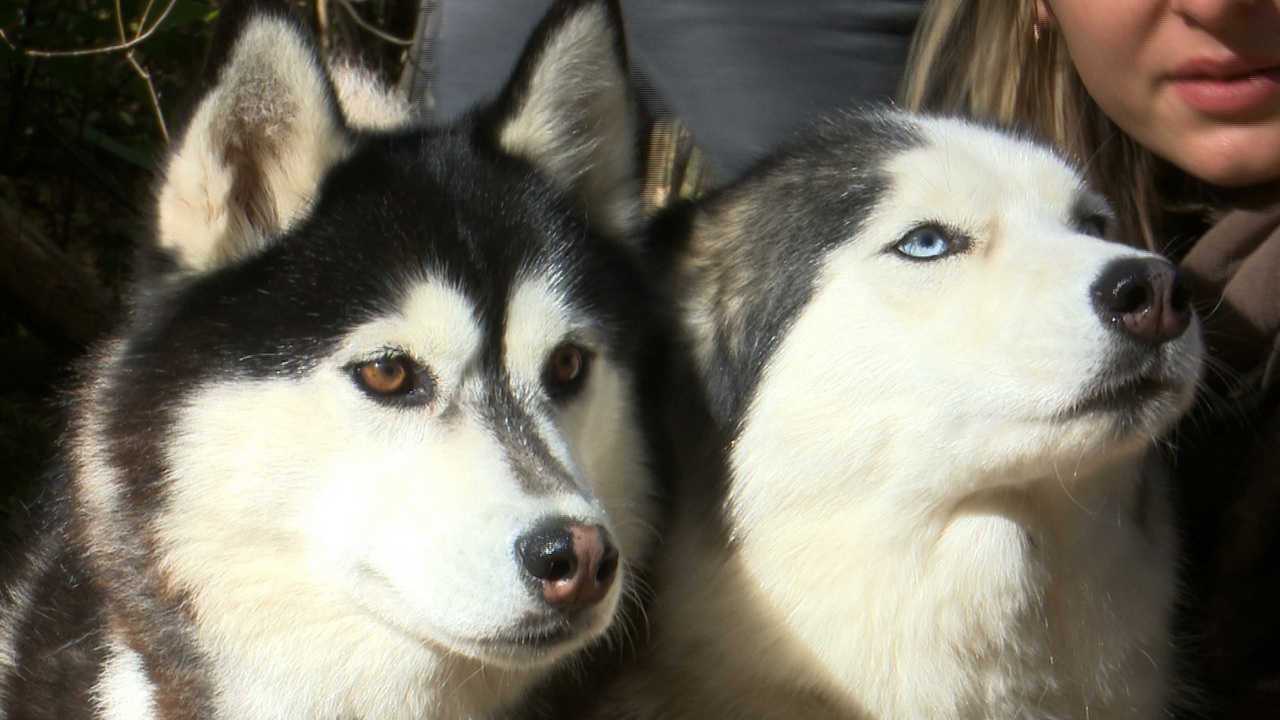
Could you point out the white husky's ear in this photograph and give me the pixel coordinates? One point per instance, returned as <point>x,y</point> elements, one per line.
<point>260,138</point>
<point>568,110</point>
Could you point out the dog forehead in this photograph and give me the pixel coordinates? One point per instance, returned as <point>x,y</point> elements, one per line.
<point>965,171</point>
<point>434,320</point>
<point>449,327</point>
<point>538,317</point>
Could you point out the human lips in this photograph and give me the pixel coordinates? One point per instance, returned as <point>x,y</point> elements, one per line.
<point>1229,87</point>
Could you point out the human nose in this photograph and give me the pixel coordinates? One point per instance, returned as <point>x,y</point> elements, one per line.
<point>1211,13</point>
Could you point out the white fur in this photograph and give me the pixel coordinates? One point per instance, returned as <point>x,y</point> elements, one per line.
<point>345,557</point>
<point>272,92</point>
<point>366,101</point>
<point>915,529</point>
<point>607,446</point>
<point>575,126</point>
<point>123,692</point>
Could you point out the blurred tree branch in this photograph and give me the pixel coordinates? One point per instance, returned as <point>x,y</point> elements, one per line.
<point>127,46</point>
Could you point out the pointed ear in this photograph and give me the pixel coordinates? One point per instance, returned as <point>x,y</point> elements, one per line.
<point>261,135</point>
<point>367,102</point>
<point>568,109</point>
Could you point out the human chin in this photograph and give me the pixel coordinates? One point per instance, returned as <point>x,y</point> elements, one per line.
<point>1235,156</point>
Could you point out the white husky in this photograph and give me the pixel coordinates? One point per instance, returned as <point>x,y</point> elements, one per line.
<point>938,390</point>
<point>371,442</point>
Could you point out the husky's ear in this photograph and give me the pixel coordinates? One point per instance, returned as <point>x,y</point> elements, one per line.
<point>262,133</point>
<point>568,110</point>
<point>368,103</point>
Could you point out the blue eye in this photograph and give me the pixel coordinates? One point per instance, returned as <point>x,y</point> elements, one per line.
<point>929,242</point>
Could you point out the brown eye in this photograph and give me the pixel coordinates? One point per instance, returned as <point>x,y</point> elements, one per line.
<point>565,371</point>
<point>386,376</point>
<point>567,363</point>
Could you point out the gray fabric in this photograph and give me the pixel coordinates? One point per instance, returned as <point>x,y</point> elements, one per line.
<point>745,75</point>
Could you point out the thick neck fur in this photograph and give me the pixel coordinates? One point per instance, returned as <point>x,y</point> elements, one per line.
<point>1017,601</point>
<point>345,679</point>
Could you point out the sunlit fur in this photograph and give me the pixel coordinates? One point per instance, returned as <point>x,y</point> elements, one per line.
<point>272,99</point>
<point>917,517</point>
<point>245,530</point>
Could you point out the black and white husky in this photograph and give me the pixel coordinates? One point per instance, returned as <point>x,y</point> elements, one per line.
<point>938,388</point>
<point>369,443</point>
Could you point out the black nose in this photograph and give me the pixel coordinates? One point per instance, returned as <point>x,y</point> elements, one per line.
<point>575,564</point>
<point>1144,298</point>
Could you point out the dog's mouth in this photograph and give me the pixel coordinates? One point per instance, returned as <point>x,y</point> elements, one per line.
<point>1125,394</point>
<point>1144,396</point>
<point>542,635</point>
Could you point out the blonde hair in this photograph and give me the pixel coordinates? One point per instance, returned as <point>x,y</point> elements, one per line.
<point>989,60</point>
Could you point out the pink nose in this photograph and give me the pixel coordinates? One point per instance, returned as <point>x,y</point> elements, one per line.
<point>575,564</point>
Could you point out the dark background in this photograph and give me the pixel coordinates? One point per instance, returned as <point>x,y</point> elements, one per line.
<point>87,99</point>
